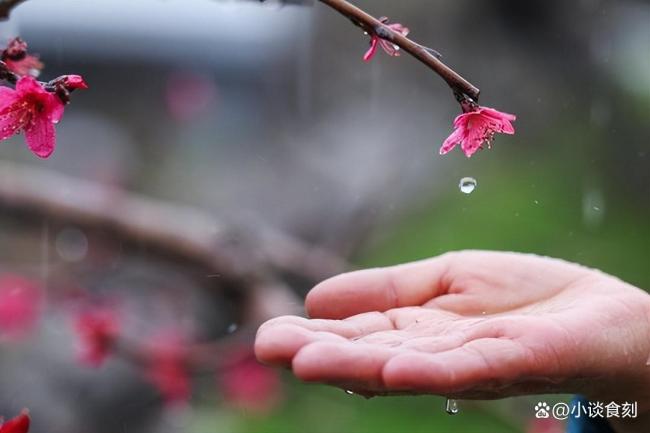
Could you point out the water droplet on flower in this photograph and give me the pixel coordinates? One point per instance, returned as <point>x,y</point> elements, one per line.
<point>467,185</point>
<point>348,392</point>
<point>451,406</point>
<point>232,328</point>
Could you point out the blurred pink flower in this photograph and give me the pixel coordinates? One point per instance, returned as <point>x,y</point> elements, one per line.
<point>19,424</point>
<point>477,127</point>
<point>19,61</point>
<point>189,95</point>
<point>97,329</point>
<point>32,109</point>
<point>167,368</point>
<point>545,425</point>
<point>248,384</point>
<point>390,48</point>
<point>20,306</point>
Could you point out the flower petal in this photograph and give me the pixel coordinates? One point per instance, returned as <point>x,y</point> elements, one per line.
<point>451,141</point>
<point>29,84</point>
<point>12,120</point>
<point>389,48</point>
<point>19,424</point>
<point>30,65</point>
<point>372,50</point>
<point>507,128</point>
<point>41,136</point>
<point>54,108</point>
<point>497,114</point>
<point>463,119</point>
<point>6,94</point>
<point>399,28</point>
<point>72,82</point>
<point>471,145</point>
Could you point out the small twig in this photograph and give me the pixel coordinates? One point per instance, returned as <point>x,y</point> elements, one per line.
<point>6,6</point>
<point>372,25</point>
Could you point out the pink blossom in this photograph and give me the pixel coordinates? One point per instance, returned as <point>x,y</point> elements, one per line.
<point>20,305</point>
<point>545,425</point>
<point>31,109</point>
<point>19,424</point>
<point>189,95</point>
<point>72,82</point>
<point>390,48</point>
<point>167,368</point>
<point>98,329</point>
<point>477,127</point>
<point>19,61</point>
<point>249,385</point>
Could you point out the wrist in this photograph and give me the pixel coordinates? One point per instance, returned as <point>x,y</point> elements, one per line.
<point>628,381</point>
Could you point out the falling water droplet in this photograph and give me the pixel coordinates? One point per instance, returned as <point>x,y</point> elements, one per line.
<point>593,208</point>
<point>451,406</point>
<point>467,185</point>
<point>232,328</point>
<point>348,392</point>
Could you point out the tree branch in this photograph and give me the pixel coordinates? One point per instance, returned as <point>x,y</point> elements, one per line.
<point>6,6</point>
<point>372,25</point>
<point>251,255</point>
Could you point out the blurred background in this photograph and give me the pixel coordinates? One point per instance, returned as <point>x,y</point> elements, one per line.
<point>256,129</point>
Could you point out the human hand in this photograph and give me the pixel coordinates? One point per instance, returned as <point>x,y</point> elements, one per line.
<point>471,324</point>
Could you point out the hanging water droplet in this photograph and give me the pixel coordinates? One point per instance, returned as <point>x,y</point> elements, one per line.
<point>231,328</point>
<point>467,185</point>
<point>348,392</point>
<point>451,406</point>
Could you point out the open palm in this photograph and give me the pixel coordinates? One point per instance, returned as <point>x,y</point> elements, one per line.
<point>471,324</point>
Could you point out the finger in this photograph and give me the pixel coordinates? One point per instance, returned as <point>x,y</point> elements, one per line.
<point>351,327</point>
<point>378,289</point>
<point>358,365</point>
<point>277,345</point>
<point>475,366</point>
